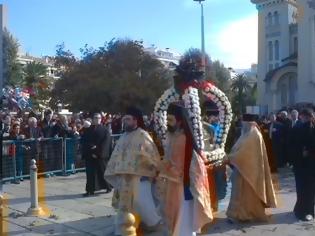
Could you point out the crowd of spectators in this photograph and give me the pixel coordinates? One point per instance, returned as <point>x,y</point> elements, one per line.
<point>279,131</point>
<point>51,125</point>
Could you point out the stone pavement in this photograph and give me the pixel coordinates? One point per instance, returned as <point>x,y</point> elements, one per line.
<point>282,221</point>
<point>68,213</point>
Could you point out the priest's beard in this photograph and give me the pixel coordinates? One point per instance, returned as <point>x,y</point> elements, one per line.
<point>246,127</point>
<point>130,128</point>
<point>171,129</point>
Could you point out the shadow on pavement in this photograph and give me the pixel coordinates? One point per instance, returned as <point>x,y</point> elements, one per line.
<point>92,226</point>
<point>55,198</point>
<point>222,225</point>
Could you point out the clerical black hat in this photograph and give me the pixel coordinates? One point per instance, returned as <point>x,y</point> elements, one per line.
<point>250,117</point>
<point>134,111</point>
<point>137,114</point>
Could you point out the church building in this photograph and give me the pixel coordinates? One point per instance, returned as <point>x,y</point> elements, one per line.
<point>286,53</point>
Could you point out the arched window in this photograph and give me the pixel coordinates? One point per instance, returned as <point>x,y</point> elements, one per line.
<point>276,18</point>
<point>270,51</point>
<point>269,19</point>
<point>276,50</point>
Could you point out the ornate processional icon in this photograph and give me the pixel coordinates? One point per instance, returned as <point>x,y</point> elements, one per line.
<point>189,84</point>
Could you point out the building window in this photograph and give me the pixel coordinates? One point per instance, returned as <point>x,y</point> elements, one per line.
<point>270,67</point>
<point>270,51</point>
<point>276,65</point>
<point>295,45</point>
<point>276,18</point>
<point>277,50</point>
<point>269,19</point>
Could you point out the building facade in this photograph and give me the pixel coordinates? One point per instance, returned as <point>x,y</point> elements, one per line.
<point>167,57</point>
<point>286,53</point>
<point>52,71</point>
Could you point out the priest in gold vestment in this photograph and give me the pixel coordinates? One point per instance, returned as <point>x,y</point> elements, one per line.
<point>252,188</point>
<point>131,171</point>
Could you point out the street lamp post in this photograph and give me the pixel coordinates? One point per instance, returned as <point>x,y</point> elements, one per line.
<point>202,36</point>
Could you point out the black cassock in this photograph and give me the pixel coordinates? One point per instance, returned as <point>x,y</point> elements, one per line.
<point>304,169</point>
<point>96,150</point>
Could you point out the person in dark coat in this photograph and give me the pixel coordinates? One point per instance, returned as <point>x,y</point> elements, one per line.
<point>33,131</point>
<point>276,134</point>
<point>304,166</point>
<point>295,122</point>
<point>96,150</point>
<point>48,125</point>
<point>286,125</point>
<point>20,148</point>
<point>52,159</point>
<point>264,127</point>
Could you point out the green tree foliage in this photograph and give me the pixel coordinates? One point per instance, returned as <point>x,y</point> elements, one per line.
<point>64,58</point>
<point>221,76</point>
<point>12,68</point>
<point>110,78</point>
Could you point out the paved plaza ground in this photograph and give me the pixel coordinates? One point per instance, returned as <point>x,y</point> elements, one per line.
<point>68,213</point>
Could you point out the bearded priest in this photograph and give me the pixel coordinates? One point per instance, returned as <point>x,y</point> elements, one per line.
<point>252,187</point>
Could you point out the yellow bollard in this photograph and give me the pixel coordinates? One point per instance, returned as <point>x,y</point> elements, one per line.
<point>128,225</point>
<point>3,223</point>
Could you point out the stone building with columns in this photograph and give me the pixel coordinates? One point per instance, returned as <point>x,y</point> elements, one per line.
<point>286,53</point>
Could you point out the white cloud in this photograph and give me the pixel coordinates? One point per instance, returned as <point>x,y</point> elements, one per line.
<point>236,45</point>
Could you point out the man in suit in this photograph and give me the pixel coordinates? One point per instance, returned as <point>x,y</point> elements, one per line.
<point>33,131</point>
<point>48,125</point>
<point>96,145</point>
<point>294,118</point>
<point>304,166</point>
<point>294,124</point>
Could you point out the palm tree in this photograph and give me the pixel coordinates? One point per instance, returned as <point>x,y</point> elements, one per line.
<point>240,87</point>
<point>36,79</point>
<point>34,72</point>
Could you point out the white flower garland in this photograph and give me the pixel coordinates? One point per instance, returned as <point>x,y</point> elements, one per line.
<point>225,118</point>
<point>160,112</point>
<point>225,113</point>
<point>191,101</point>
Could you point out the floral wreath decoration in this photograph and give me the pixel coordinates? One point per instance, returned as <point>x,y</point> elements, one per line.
<point>187,91</point>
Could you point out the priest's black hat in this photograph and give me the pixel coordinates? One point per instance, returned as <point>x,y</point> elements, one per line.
<point>137,114</point>
<point>250,117</point>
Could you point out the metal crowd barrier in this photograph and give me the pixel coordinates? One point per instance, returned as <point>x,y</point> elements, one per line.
<point>53,156</point>
<point>73,161</point>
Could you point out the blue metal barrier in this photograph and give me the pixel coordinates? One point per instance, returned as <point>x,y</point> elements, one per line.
<point>53,155</point>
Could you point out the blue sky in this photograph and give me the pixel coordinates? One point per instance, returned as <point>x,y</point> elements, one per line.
<point>230,25</point>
